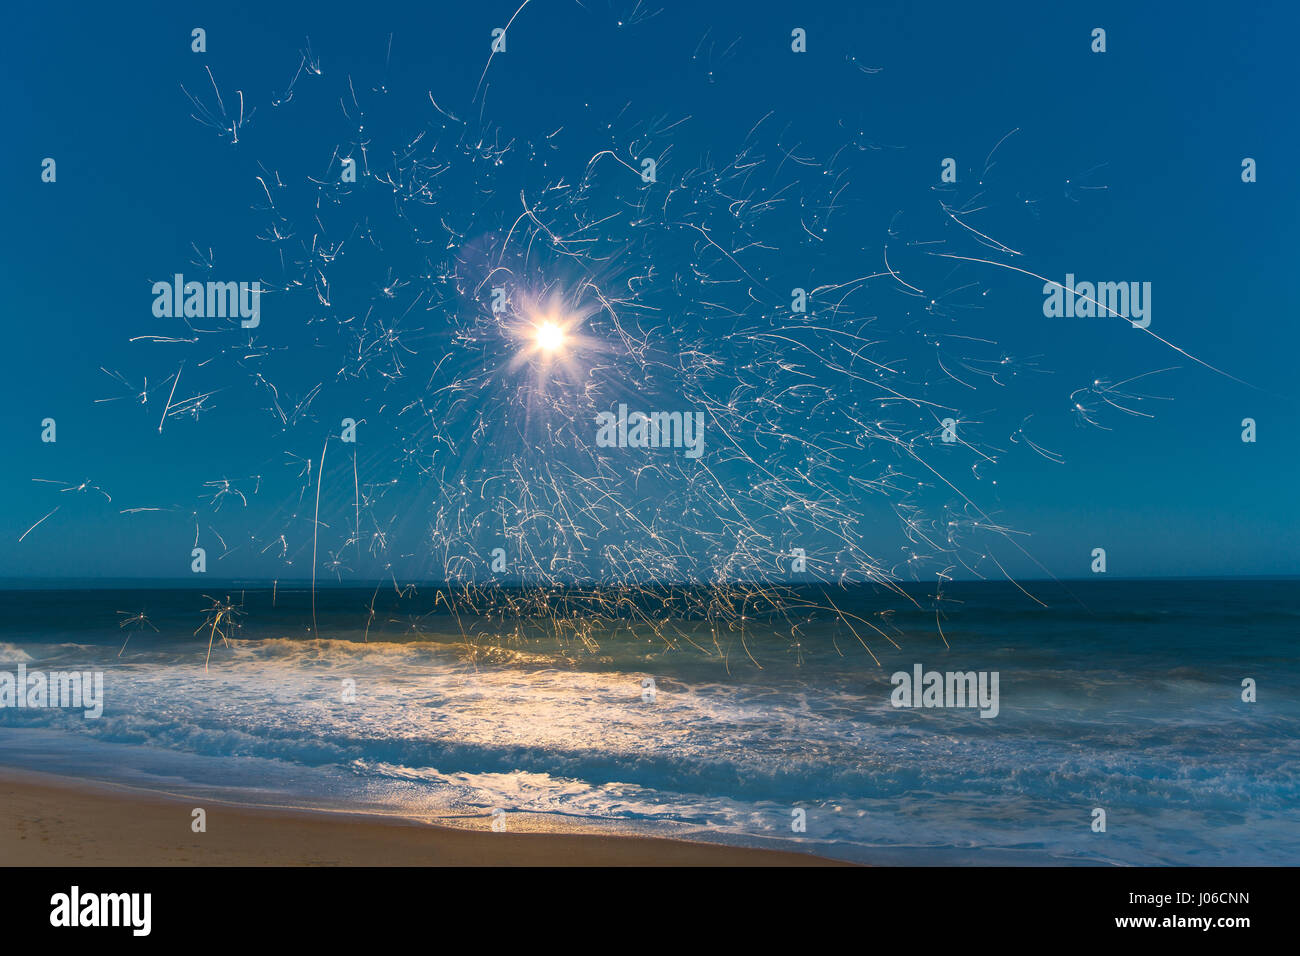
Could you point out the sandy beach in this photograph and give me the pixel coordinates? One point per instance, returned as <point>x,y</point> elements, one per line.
<point>53,821</point>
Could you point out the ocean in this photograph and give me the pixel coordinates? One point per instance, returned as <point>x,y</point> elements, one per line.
<point>778,730</point>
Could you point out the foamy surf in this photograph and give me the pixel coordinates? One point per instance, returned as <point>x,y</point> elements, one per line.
<point>1140,716</point>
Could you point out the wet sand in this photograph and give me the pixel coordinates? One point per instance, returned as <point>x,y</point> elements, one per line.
<point>47,820</point>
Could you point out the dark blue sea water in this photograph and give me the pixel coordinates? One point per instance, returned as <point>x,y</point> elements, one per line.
<point>1124,696</point>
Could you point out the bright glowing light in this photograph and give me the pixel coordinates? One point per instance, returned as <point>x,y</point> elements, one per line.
<point>549,337</point>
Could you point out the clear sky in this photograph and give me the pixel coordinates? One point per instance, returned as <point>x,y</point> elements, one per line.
<point>775,170</point>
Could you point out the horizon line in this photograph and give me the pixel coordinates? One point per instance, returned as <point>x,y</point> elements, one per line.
<point>180,583</point>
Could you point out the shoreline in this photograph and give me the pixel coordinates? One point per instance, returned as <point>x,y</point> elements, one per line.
<point>49,820</point>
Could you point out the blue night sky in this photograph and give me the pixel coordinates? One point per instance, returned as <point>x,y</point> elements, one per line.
<point>1119,166</point>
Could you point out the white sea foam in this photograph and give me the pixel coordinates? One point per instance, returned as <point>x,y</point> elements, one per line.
<point>429,733</point>
<point>12,654</point>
